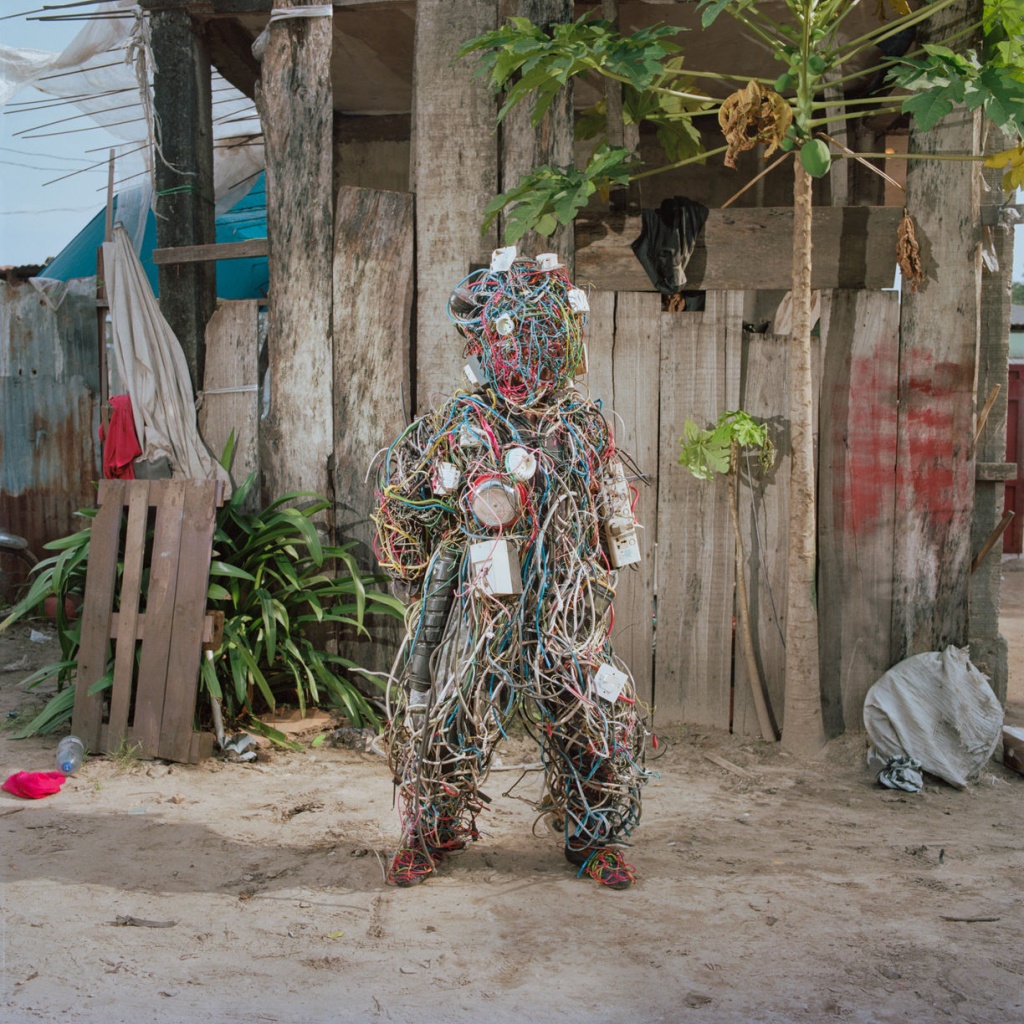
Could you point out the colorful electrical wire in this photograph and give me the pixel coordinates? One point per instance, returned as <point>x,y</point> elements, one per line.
<point>491,508</point>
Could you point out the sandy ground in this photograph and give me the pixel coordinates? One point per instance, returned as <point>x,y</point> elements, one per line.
<point>772,889</point>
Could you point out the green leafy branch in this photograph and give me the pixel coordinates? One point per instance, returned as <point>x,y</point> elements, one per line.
<point>526,61</point>
<point>708,452</point>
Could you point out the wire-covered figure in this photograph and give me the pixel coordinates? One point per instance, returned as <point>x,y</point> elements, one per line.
<point>507,512</point>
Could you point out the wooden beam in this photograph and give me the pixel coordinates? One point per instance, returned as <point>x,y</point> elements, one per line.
<point>750,248</point>
<point>294,99</point>
<point>250,248</point>
<point>184,179</point>
<point>230,47</point>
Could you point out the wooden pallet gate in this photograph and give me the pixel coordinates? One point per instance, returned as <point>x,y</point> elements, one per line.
<point>161,624</point>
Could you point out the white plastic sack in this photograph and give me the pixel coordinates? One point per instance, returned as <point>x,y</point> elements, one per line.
<point>937,708</point>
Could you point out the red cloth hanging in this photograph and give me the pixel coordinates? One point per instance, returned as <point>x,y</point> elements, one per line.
<point>120,445</point>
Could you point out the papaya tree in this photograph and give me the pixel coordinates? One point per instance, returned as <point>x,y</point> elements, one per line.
<point>975,61</point>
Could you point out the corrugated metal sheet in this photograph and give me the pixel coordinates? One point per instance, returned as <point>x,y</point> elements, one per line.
<point>49,410</point>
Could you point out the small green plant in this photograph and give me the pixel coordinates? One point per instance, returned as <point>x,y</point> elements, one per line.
<point>713,450</point>
<point>280,589</point>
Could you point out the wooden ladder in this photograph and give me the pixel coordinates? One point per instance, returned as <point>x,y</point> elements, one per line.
<point>163,633</point>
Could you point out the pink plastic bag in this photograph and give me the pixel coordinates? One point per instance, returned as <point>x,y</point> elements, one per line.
<point>34,785</point>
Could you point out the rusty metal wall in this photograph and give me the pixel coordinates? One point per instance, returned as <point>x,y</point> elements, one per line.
<point>50,453</point>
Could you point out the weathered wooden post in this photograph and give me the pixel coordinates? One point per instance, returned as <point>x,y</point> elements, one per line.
<point>183,177</point>
<point>454,176</point>
<point>294,99</point>
<point>939,328</point>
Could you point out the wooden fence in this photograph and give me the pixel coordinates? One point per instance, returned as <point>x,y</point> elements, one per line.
<point>676,614</point>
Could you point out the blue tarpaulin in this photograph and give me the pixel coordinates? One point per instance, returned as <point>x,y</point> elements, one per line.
<point>236,279</point>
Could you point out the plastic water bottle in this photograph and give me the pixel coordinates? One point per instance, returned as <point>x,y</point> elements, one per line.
<point>70,755</point>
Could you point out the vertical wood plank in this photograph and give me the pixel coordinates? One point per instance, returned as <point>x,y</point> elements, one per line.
<point>232,354</point>
<point>97,606</point>
<point>624,354</point>
<point>186,628</point>
<point>454,175</point>
<point>373,295</point>
<point>137,495</point>
<point>160,599</point>
<point>939,328</point>
<point>294,99</point>
<point>764,524</point>
<point>857,497</point>
<point>696,551</point>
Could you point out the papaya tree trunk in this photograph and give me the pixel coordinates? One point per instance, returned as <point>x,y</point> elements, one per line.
<point>803,729</point>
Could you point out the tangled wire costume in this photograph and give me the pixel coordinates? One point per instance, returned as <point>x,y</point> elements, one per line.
<point>494,509</point>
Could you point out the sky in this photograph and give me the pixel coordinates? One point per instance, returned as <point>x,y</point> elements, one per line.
<point>39,214</point>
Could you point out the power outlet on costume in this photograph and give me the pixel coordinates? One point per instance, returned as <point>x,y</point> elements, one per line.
<point>495,566</point>
<point>619,524</point>
<point>609,683</point>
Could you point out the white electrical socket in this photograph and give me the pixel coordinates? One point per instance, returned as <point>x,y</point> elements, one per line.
<point>502,259</point>
<point>609,682</point>
<point>495,567</point>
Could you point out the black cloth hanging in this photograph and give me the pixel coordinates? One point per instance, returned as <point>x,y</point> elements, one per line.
<point>667,239</point>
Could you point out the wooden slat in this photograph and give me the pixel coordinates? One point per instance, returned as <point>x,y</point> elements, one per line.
<point>250,248</point>
<point>100,581</point>
<point>186,636</point>
<point>160,603</point>
<point>995,471</point>
<point>623,350</point>
<point>696,557</point>
<point>857,495</point>
<point>764,523</point>
<point>232,355</point>
<point>137,493</point>
<point>212,630</point>
<point>752,248</point>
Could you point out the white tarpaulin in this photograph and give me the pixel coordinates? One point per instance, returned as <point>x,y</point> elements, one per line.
<point>938,709</point>
<point>105,72</point>
<point>153,369</point>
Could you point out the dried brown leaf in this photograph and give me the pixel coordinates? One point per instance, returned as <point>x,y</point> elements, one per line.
<point>751,115</point>
<point>908,253</point>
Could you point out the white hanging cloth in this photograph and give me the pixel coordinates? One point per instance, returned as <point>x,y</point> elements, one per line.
<point>153,369</point>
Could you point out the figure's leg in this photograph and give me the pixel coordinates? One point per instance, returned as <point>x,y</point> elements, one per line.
<point>594,757</point>
<point>440,751</point>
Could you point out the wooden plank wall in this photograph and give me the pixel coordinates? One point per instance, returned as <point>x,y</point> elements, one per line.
<point>704,363</point>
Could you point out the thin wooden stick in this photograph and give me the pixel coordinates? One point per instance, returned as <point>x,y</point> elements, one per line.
<point>986,409</point>
<point>992,538</point>
<point>754,180</point>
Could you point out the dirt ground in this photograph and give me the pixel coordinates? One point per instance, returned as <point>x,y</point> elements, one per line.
<point>771,890</point>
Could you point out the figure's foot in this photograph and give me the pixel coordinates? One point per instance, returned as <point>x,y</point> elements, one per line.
<point>604,865</point>
<point>410,867</point>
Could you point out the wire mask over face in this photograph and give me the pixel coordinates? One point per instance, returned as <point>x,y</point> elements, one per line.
<point>523,320</point>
